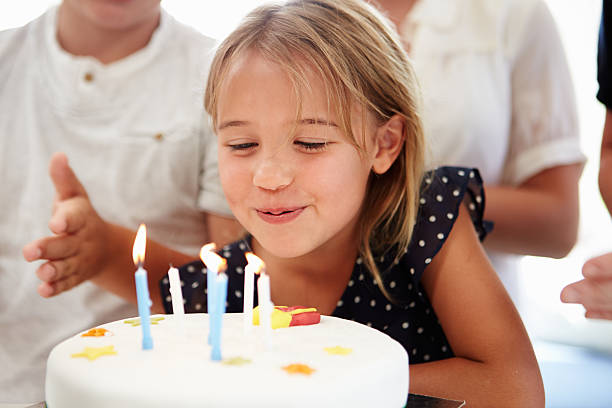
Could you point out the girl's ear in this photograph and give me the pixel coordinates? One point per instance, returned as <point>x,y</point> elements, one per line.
<point>389,143</point>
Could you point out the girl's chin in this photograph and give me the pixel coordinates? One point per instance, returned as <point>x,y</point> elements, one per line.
<point>282,248</point>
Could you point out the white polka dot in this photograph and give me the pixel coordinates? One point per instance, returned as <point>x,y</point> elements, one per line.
<point>471,174</point>
<point>450,216</point>
<point>440,235</point>
<point>182,284</point>
<point>461,173</point>
<point>412,271</point>
<point>374,282</point>
<point>420,330</point>
<point>190,269</point>
<point>388,307</point>
<point>198,306</point>
<point>168,298</point>
<point>478,199</point>
<point>414,351</point>
<point>396,262</point>
<point>360,276</point>
<point>242,246</point>
<point>351,283</point>
<point>422,201</point>
<point>372,303</point>
<point>385,327</point>
<point>410,286</point>
<point>427,311</point>
<point>204,270</point>
<point>382,259</point>
<point>227,254</point>
<point>439,198</point>
<point>405,325</point>
<point>357,299</point>
<point>206,291</point>
<point>456,193</point>
<point>426,357</point>
<point>369,324</point>
<point>195,285</point>
<point>445,179</point>
<point>427,261</point>
<point>472,206</point>
<point>239,270</point>
<point>184,301</point>
<point>238,294</point>
<point>411,305</point>
<point>444,348</point>
<point>421,243</point>
<point>226,304</point>
<point>392,284</point>
<point>428,180</point>
<point>340,303</point>
<point>432,218</point>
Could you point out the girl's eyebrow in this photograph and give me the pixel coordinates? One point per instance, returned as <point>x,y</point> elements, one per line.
<point>306,121</point>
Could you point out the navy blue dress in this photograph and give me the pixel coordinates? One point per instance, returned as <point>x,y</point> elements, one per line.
<point>410,318</point>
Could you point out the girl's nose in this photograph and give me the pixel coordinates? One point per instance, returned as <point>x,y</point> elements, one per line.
<point>272,174</point>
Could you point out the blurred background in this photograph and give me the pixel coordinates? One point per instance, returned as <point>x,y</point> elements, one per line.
<point>575,354</point>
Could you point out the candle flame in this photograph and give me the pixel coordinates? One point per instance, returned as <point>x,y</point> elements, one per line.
<point>140,244</point>
<point>212,261</point>
<point>255,261</point>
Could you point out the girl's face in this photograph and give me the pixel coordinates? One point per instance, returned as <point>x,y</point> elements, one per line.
<point>293,186</point>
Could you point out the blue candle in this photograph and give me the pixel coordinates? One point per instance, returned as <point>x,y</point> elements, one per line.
<point>209,262</point>
<point>216,317</point>
<point>142,287</point>
<point>144,304</point>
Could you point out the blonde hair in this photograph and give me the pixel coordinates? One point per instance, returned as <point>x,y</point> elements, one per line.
<point>361,61</point>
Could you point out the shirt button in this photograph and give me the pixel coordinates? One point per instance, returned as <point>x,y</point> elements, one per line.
<point>88,77</point>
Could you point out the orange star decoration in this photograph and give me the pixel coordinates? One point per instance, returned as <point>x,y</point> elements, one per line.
<point>92,353</point>
<point>236,361</point>
<point>299,369</point>
<point>338,350</point>
<point>136,322</point>
<point>97,332</point>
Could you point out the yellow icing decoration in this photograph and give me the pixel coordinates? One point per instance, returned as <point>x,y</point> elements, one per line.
<point>279,318</point>
<point>236,361</point>
<point>338,350</point>
<point>299,369</point>
<point>91,353</point>
<point>310,309</point>
<point>136,322</point>
<point>97,332</point>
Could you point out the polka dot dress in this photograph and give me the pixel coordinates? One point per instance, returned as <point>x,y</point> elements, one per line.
<point>410,318</point>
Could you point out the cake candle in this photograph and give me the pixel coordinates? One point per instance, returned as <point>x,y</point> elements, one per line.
<point>217,316</point>
<point>142,287</point>
<point>176,292</point>
<point>254,265</point>
<point>210,284</point>
<point>215,266</point>
<point>265,305</point>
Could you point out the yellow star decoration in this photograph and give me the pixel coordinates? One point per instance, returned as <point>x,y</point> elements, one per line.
<point>136,322</point>
<point>97,332</point>
<point>236,361</point>
<point>299,369</point>
<point>338,350</point>
<point>91,353</point>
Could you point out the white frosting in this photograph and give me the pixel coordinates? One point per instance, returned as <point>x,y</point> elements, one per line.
<point>178,370</point>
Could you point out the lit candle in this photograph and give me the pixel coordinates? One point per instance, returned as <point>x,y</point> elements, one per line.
<point>142,287</point>
<point>215,266</point>
<point>265,305</point>
<point>176,292</point>
<point>210,284</point>
<point>254,265</point>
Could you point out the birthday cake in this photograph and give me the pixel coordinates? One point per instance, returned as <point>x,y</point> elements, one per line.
<point>336,363</point>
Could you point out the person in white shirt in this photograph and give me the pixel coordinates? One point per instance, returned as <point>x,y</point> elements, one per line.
<point>118,87</point>
<point>498,96</point>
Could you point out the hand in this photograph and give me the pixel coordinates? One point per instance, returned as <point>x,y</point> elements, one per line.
<point>594,292</point>
<point>80,238</point>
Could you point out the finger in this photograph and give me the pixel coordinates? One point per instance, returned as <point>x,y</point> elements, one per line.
<point>598,314</point>
<point>47,272</point>
<point>31,251</point>
<point>48,289</point>
<point>58,247</point>
<point>573,293</point>
<point>599,267</point>
<point>55,270</point>
<point>70,215</point>
<point>66,183</point>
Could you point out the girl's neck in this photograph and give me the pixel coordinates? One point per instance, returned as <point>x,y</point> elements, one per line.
<point>78,36</point>
<point>316,279</point>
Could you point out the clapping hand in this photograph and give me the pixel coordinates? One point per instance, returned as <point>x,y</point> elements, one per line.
<point>594,292</point>
<point>79,239</point>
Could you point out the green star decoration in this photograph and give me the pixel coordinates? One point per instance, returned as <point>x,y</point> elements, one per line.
<point>236,361</point>
<point>136,322</point>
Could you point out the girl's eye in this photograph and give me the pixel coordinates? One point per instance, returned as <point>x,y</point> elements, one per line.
<point>242,146</point>
<point>311,146</point>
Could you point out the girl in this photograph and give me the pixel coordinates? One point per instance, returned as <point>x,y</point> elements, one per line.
<point>321,160</point>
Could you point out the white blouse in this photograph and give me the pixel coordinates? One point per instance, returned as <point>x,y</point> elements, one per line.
<point>497,92</point>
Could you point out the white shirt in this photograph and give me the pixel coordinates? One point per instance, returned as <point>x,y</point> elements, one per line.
<point>137,137</point>
<point>497,92</point>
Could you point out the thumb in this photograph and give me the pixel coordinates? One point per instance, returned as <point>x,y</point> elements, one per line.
<point>66,183</point>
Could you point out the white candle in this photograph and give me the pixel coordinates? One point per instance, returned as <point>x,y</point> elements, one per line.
<point>265,306</point>
<point>176,292</point>
<point>254,266</point>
